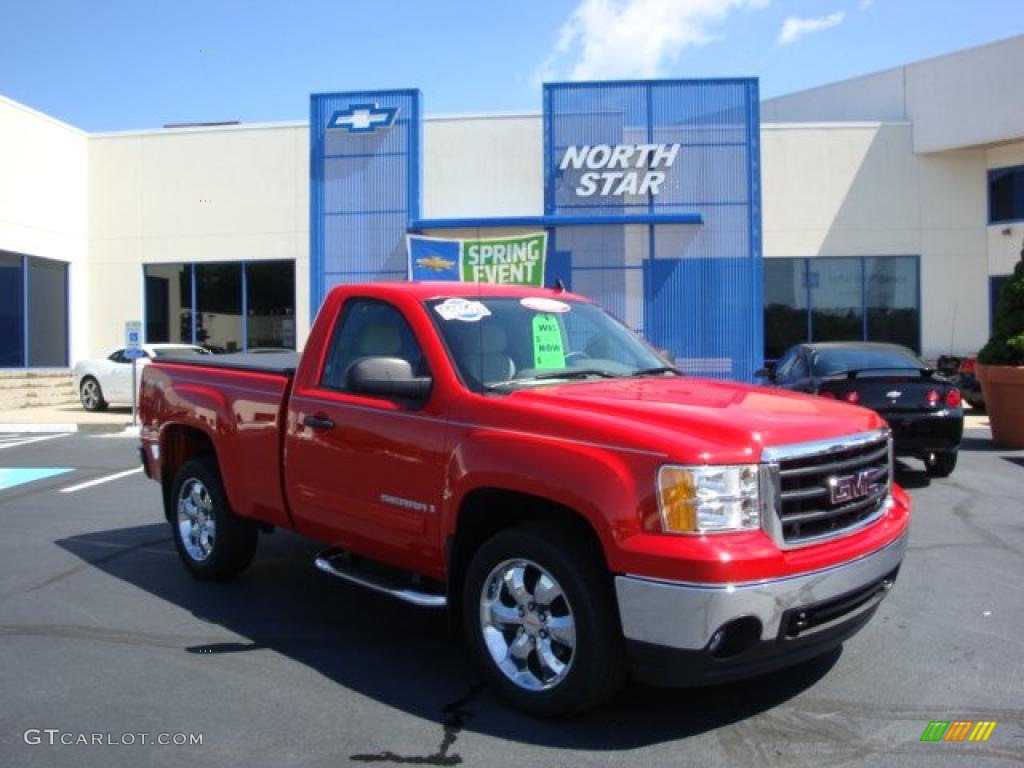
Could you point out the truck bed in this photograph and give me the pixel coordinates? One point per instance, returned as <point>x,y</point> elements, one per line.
<point>237,401</point>
<point>281,363</point>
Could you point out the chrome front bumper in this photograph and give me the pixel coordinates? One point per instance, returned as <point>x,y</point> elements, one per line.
<point>686,616</point>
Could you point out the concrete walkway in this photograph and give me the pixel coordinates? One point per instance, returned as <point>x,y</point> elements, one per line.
<point>64,418</point>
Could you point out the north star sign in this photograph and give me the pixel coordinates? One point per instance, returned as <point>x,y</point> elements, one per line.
<point>620,169</point>
<point>363,118</point>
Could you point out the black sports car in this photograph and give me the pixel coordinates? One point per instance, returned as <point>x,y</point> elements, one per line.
<point>923,408</point>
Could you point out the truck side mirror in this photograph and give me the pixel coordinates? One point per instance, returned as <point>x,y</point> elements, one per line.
<point>387,377</point>
<point>768,372</point>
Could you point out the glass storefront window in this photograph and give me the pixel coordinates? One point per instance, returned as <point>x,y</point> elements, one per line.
<point>841,299</point>
<point>33,312</point>
<point>219,307</point>
<point>168,303</point>
<point>785,305</point>
<point>890,285</point>
<point>12,311</point>
<point>270,321</point>
<point>837,297</point>
<point>262,293</point>
<point>47,313</point>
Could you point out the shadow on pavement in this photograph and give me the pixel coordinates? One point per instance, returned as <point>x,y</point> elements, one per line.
<point>911,477</point>
<point>404,657</point>
<point>970,443</point>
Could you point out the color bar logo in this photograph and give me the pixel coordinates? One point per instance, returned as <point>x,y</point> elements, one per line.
<point>958,730</point>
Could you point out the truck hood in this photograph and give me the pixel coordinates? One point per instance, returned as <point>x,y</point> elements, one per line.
<point>698,419</point>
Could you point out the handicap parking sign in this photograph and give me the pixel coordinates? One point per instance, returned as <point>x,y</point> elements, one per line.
<point>132,338</point>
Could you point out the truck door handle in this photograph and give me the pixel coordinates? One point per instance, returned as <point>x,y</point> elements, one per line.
<point>318,422</point>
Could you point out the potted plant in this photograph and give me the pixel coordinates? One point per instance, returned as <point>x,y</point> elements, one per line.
<point>1001,364</point>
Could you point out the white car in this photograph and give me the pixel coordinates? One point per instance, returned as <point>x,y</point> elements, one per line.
<point>109,380</point>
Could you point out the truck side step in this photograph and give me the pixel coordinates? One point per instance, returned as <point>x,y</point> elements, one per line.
<point>377,578</point>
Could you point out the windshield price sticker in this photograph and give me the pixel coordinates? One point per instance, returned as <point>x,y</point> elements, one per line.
<point>462,309</point>
<point>540,304</point>
<point>548,350</point>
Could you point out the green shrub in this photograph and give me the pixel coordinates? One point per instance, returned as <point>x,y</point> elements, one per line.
<point>1006,347</point>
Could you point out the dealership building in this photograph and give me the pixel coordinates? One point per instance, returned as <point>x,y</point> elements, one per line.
<point>725,228</point>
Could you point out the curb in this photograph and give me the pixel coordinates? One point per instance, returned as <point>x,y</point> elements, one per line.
<point>39,428</point>
<point>105,429</point>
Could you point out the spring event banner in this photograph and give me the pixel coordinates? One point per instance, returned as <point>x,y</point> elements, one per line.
<point>512,260</point>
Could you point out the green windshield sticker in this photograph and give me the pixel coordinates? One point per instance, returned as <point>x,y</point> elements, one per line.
<point>548,350</point>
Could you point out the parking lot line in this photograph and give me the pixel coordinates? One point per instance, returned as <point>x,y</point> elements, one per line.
<point>11,441</point>
<point>100,480</point>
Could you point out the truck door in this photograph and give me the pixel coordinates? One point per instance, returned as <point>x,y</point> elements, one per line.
<point>363,472</point>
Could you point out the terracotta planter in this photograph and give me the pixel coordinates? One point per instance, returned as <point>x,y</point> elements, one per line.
<point>1003,386</point>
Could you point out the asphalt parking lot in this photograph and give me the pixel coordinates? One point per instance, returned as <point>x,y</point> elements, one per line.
<point>103,632</point>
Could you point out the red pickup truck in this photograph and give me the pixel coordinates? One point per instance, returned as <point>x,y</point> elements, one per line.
<point>520,457</point>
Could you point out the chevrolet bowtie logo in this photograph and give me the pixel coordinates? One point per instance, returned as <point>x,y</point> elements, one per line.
<point>435,263</point>
<point>363,118</point>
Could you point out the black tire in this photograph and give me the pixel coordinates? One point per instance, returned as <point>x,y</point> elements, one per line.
<point>943,464</point>
<point>90,393</point>
<point>197,497</point>
<point>594,667</point>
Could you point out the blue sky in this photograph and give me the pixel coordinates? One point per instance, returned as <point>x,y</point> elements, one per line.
<point>141,64</point>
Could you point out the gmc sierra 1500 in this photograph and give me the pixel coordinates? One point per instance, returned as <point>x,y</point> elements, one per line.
<point>522,458</point>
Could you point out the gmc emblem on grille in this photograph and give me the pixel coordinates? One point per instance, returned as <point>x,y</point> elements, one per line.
<point>852,487</point>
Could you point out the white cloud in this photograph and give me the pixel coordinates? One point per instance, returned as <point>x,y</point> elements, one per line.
<point>633,38</point>
<point>794,28</point>
<point>865,4</point>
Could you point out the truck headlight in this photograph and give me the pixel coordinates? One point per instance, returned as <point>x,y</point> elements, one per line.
<point>709,499</point>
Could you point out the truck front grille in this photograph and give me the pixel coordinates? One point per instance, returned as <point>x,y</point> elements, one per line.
<point>823,490</point>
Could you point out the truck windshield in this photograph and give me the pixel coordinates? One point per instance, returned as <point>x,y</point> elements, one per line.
<point>501,343</point>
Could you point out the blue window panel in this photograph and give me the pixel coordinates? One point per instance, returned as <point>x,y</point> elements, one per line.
<point>695,290</point>
<point>1006,194</point>
<point>604,246</point>
<point>558,267</point>
<point>331,279</point>
<point>712,110</point>
<point>724,234</point>
<point>364,189</point>
<point>392,140</point>
<point>617,290</point>
<point>364,243</point>
<point>712,175</point>
<point>706,328</point>
<point>364,184</point>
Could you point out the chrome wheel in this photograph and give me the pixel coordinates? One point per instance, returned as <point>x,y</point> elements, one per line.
<point>91,396</point>
<point>196,525</point>
<point>528,625</point>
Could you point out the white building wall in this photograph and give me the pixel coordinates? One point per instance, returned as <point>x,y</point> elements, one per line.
<point>967,98</point>
<point>483,166</point>
<point>880,97</point>
<point>43,200</point>
<point>192,195</point>
<point>962,99</point>
<point>859,190</point>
